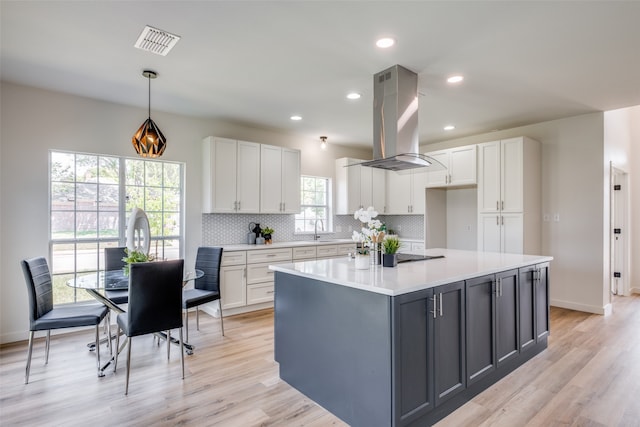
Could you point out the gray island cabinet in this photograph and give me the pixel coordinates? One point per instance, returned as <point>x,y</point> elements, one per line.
<point>406,346</point>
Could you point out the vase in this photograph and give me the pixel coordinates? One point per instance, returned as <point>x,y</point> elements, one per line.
<point>375,254</point>
<point>362,262</point>
<point>389,260</point>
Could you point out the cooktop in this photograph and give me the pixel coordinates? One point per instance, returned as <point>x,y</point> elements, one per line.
<point>412,257</point>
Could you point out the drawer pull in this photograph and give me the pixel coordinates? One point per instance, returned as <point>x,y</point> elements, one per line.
<point>271,255</point>
<point>271,292</point>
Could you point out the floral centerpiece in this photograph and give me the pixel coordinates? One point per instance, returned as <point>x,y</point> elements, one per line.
<point>372,233</point>
<point>135,256</point>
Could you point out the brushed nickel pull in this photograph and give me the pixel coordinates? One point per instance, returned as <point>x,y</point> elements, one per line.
<point>502,207</point>
<point>435,313</point>
<point>502,220</point>
<point>497,219</point>
<point>497,205</point>
<point>440,304</point>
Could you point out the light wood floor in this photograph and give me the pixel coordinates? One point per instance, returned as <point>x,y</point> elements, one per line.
<point>589,376</point>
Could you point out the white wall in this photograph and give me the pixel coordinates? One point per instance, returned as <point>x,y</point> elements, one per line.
<point>35,121</point>
<point>572,186</point>
<point>634,190</point>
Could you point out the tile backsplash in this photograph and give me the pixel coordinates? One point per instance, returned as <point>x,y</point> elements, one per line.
<point>231,229</point>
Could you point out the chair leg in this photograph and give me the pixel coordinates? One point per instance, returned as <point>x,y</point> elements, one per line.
<point>221,318</point>
<point>115,361</point>
<point>197,319</point>
<point>107,325</point>
<point>26,375</point>
<point>181,353</point>
<point>168,343</point>
<point>98,347</point>
<point>126,384</point>
<point>186,322</point>
<point>46,347</point>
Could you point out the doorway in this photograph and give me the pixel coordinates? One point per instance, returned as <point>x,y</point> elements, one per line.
<point>619,233</point>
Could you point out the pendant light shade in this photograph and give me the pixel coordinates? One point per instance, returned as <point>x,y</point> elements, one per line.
<point>149,140</point>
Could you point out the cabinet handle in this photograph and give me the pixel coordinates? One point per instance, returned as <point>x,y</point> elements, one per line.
<point>501,220</point>
<point>502,205</point>
<point>271,292</point>
<point>500,287</point>
<point>497,205</point>
<point>238,205</point>
<point>497,219</point>
<point>441,304</point>
<point>435,297</point>
<point>270,255</point>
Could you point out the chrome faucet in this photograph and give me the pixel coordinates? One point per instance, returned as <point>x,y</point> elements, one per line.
<point>316,236</point>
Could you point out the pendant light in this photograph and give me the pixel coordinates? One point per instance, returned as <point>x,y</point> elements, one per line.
<point>149,140</point>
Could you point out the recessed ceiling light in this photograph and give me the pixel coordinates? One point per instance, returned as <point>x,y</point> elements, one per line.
<point>353,95</point>
<point>449,127</point>
<point>385,42</point>
<point>455,79</point>
<point>296,118</point>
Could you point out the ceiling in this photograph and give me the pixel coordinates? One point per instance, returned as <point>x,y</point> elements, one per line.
<point>258,63</point>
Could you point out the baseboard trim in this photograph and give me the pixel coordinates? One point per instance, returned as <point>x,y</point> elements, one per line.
<point>581,307</point>
<point>635,290</point>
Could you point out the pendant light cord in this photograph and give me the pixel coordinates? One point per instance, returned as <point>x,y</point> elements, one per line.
<point>149,78</point>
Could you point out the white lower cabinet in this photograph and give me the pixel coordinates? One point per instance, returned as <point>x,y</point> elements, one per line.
<point>246,282</point>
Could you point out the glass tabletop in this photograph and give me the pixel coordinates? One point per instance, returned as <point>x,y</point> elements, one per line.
<point>117,280</point>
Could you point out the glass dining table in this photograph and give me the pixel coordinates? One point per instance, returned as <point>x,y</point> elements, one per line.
<point>116,280</point>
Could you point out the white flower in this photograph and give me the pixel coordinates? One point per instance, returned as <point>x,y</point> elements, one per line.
<point>374,230</point>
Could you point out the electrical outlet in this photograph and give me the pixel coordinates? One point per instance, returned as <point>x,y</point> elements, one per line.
<point>556,217</point>
<point>468,227</point>
<point>338,229</point>
<point>546,217</point>
<point>350,228</point>
<point>399,228</point>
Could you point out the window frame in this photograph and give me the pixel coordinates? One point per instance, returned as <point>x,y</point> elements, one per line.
<point>98,242</point>
<point>328,206</point>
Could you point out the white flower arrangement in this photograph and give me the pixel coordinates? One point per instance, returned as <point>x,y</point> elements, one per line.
<point>374,231</point>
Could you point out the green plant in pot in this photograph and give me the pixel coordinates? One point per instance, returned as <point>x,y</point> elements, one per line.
<point>390,246</point>
<point>134,256</point>
<point>266,233</point>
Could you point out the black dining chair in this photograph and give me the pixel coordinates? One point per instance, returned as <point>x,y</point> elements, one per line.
<point>113,261</point>
<point>155,294</point>
<point>206,288</point>
<point>43,316</point>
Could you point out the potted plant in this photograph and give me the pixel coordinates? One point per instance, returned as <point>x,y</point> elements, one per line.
<point>390,246</point>
<point>266,233</point>
<point>134,256</point>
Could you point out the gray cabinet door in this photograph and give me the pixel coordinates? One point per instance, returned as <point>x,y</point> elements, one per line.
<point>507,333</point>
<point>449,341</point>
<point>527,297</point>
<point>480,301</point>
<point>542,301</point>
<point>413,337</point>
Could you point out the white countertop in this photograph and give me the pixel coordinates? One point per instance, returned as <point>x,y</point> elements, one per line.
<point>291,244</point>
<point>410,276</point>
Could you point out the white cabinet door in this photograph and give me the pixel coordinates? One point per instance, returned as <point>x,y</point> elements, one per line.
<point>512,233</point>
<point>279,180</point>
<point>398,193</point>
<point>489,239</point>
<point>366,187</point>
<point>489,177</point>
<point>347,186</point>
<point>439,178</point>
<point>512,175</point>
<point>270,179</point>
<point>418,186</point>
<point>222,175</point>
<point>248,177</point>
<point>290,181</point>
<point>233,286</point>
<point>462,165</point>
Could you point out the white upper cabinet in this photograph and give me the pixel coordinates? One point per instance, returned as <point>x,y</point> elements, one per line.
<point>231,176</point>
<point>279,180</point>
<point>509,196</point>
<point>358,187</point>
<point>406,192</point>
<point>460,163</point>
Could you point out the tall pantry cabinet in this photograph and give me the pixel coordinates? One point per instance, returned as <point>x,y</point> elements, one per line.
<point>509,196</point>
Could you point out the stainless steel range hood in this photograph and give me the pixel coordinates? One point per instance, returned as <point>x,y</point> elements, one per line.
<point>395,122</point>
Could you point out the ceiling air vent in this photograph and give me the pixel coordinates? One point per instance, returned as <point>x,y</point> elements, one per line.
<point>156,41</point>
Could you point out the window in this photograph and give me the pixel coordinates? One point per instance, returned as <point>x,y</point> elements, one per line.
<point>314,207</point>
<point>91,197</point>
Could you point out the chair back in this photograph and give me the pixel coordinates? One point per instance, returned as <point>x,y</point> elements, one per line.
<point>113,258</point>
<point>155,296</point>
<point>208,260</point>
<point>38,279</point>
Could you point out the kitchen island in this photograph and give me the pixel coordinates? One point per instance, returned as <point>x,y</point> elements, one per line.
<point>406,346</point>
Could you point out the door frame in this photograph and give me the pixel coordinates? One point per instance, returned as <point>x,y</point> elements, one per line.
<point>619,248</point>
